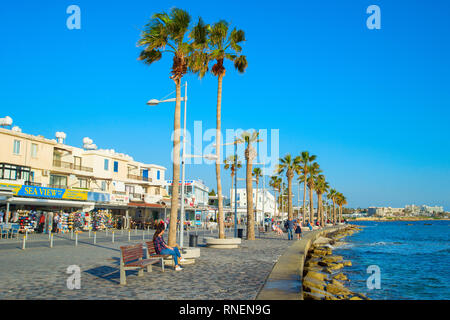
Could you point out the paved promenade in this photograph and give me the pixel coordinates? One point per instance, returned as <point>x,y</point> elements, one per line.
<point>39,272</point>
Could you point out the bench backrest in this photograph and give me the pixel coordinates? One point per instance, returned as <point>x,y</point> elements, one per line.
<point>131,253</point>
<point>150,247</point>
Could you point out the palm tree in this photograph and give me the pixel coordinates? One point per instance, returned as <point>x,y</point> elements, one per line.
<point>306,159</point>
<point>321,187</point>
<point>250,153</point>
<point>257,173</point>
<point>313,170</point>
<point>290,167</point>
<point>332,196</point>
<point>275,183</point>
<point>165,33</point>
<point>232,163</point>
<point>217,43</point>
<point>340,201</point>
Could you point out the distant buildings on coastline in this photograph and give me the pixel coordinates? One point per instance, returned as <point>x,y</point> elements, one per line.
<point>407,211</point>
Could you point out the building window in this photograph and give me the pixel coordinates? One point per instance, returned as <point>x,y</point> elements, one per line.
<point>12,172</point>
<point>129,189</point>
<point>16,147</point>
<point>116,166</point>
<point>34,148</point>
<point>103,187</point>
<point>83,183</point>
<point>158,175</point>
<point>58,181</point>
<point>106,164</point>
<point>77,163</point>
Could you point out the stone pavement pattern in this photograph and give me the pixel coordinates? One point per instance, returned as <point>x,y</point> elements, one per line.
<point>39,272</point>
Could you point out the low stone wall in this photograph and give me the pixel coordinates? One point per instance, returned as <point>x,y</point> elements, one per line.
<point>285,280</point>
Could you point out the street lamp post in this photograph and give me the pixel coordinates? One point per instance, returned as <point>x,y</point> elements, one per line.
<point>154,102</point>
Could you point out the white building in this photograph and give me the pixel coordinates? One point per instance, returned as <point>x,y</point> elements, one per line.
<point>264,207</point>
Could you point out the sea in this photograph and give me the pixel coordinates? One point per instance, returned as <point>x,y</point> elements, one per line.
<point>399,260</point>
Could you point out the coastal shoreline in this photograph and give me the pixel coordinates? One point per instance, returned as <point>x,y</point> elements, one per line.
<point>323,276</point>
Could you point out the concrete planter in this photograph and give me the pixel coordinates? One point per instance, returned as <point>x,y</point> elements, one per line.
<point>228,243</point>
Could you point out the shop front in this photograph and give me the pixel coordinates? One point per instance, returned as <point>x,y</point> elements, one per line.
<point>42,209</point>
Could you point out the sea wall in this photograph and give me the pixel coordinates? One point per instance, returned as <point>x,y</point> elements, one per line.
<point>285,280</point>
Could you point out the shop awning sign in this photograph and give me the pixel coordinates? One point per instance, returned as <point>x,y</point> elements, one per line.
<point>47,193</point>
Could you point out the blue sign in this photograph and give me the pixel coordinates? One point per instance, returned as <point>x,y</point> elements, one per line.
<point>99,197</point>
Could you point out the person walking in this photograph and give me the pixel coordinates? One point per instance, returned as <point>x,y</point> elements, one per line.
<point>298,229</point>
<point>1,216</point>
<point>290,229</point>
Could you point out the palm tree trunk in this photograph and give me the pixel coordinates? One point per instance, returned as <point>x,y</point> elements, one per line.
<point>250,216</point>
<point>304,199</point>
<point>176,169</point>
<point>340,213</point>
<point>218,147</point>
<point>334,212</point>
<point>319,208</point>
<point>311,207</point>
<point>290,211</point>
<point>256,202</point>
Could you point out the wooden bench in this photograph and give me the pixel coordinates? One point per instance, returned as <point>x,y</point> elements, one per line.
<point>151,253</point>
<point>131,259</point>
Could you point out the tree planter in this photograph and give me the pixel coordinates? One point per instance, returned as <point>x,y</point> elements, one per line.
<point>228,243</point>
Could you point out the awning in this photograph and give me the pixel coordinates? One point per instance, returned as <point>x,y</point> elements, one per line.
<point>145,205</point>
<point>50,202</point>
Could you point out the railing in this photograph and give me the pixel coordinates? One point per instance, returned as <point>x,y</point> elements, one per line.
<point>34,184</point>
<point>70,165</point>
<point>137,196</point>
<point>140,178</point>
<point>56,186</point>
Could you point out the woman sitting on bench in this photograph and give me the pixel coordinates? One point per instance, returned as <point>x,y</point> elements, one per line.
<point>162,248</point>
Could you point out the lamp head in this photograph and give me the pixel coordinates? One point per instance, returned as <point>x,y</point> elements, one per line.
<point>153,102</point>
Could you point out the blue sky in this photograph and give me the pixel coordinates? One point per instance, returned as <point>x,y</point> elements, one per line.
<point>373,105</point>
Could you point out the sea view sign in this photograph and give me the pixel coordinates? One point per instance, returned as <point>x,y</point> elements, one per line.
<point>374,20</point>
<point>374,281</point>
<point>74,20</point>
<point>74,280</point>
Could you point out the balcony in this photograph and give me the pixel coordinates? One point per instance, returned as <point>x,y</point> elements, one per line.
<point>70,165</point>
<point>139,178</point>
<point>136,197</point>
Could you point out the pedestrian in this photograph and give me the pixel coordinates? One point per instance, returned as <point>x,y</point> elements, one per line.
<point>55,223</point>
<point>290,229</point>
<point>1,216</point>
<point>298,229</point>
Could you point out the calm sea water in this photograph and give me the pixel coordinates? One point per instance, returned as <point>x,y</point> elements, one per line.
<point>414,259</point>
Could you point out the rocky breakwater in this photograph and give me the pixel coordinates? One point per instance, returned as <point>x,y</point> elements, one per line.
<point>323,278</point>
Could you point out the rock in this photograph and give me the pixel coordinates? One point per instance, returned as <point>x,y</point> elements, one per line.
<point>313,296</point>
<point>326,295</point>
<point>322,240</point>
<point>336,266</point>
<point>322,251</point>
<point>355,298</point>
<point>337,290</point>
<point>328,259</point>
<point>317,275</point>
<point>340,276</point>
<point>347,263</point>
<point>312,268</point>
<point>309,283</point>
